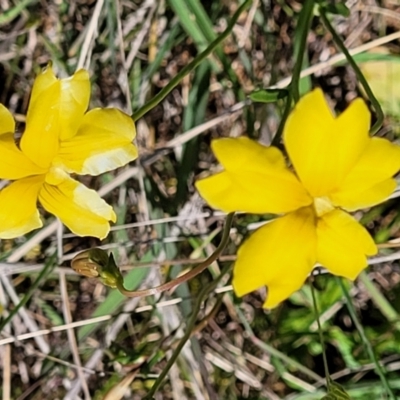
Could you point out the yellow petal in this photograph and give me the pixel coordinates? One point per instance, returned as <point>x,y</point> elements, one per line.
<point>103,143</point>
<point>324,149</point>
<point>238,154</point>
<point>79,208</point>
<point>255,179</point>
<point>357,198</point>
<point>279,255</point>
<point>7,123</point>
<point>19,213</point>
<point>55,111</point>
<point>343,244</point>
<point>369,183</point>
<point>42,83</point>
<point>14,164</point>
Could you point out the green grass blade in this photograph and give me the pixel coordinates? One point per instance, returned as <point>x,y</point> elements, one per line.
<point>379,369</point>
<point>13,12</point>
<point>191,66</point>
<point>189,23</point>
<point>380,301</point>
<point>194,115</point>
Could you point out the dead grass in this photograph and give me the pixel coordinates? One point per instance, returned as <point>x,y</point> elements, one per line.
<point>75,338</point>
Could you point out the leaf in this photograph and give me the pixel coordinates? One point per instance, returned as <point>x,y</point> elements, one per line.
<point>267,95</point>
<point>339,9</point>
<point>336,9</point>
<point>345,345</point>
<point>50,312</point>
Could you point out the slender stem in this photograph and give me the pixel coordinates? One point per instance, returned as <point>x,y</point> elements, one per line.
<point>294,85</point>
<point>189,275</point>
<point>191,66</point>
<point>364,338</point>
<point>303,28</point>
<point>288,107</point>
<point>321,336</point>
<point>340,44</point>
<point>203,293</point>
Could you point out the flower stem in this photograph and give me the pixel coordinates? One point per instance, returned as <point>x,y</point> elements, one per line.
<point>340,44</point>
<point>97,263</point>
<point>294,85</point>
<point>288,107</point>
<point>302,29</point>
<point>367,344</point>
<point>191,66</point>
<point>189,275</point>
<point>321,336</point>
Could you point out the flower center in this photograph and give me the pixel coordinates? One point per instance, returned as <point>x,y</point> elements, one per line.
<point>322,205</point>
<point>55,176</point>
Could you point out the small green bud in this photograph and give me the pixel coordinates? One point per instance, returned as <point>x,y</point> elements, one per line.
<point>97,263</point>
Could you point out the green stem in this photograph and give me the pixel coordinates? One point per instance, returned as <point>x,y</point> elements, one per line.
<point>288,107</point>
<point>192,321</point>
<point>365,340</point>
<point>321,336</point>
<point>183,278</point>
<point>340,44</point>
<point>191,66</point>
<point>294,85</point>
<point>303,28</point>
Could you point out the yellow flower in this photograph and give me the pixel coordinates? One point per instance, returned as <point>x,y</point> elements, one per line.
<point>338,167</point>
<point>59,139</point>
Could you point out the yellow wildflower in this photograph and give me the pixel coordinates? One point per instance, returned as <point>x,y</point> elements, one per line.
<point>338,168</point>
<point>59,139</point>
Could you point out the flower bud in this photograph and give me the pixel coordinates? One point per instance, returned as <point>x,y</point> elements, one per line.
<point>97,263</point>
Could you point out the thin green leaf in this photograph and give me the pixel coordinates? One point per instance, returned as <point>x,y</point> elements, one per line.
<point>191,66</point>
<point>336,9</point>
<point>267,95</point>
<point>13,12</point>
